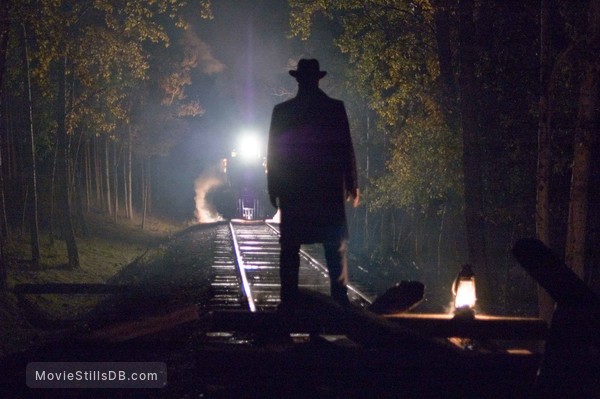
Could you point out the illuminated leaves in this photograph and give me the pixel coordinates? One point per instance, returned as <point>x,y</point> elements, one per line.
<point>423,168</point>
<point>392,50</point>
<point>390,45</point>
<point>192,108</point>
<point>205,9</point>
<point>173,86</point>
<point>196,54</point>
<point>105,45</point>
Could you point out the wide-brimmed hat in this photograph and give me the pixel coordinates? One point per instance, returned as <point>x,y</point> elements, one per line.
<point>308,69</point>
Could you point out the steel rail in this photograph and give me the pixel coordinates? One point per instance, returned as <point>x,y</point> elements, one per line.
<point>316,263</point>
<point>239,261</point>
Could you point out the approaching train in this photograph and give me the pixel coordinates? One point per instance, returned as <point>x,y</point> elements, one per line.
<point>244,194</point>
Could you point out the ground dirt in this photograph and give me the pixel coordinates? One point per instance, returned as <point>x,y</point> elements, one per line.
<point>112,253</point>
<point>169,272</point>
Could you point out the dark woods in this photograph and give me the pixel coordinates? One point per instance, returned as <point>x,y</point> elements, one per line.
<point>85,113</point>
<point>477,121</point>
<point>475,124</point>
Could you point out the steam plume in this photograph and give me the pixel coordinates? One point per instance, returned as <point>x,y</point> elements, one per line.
<point>198,53</point>
<point>205,211</point>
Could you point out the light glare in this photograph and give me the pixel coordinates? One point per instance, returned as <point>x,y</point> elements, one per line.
<point>249,147</point>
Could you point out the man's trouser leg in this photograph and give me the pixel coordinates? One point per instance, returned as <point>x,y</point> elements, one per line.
<point>289,266</point>
<point>335,254</point>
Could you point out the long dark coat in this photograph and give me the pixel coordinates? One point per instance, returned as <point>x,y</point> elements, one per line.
<point>311,167</point>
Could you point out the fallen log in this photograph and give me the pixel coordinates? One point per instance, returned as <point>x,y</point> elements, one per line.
<point>571,362</point>
<point>71,288</point>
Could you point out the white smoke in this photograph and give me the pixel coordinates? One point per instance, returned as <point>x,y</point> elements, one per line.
<point>198,53</point>
<point>205,211</point>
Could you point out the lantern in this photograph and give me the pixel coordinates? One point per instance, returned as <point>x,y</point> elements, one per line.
<point>464,291</point>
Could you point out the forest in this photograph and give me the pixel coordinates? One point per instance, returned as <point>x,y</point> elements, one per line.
<point>475,122</point>
<point>86,105</point>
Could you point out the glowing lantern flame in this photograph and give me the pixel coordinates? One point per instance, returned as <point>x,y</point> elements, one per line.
<point>465,294</point>
<point>464,289</point>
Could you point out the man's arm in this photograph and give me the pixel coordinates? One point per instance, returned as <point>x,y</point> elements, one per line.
<point>273,184</point>
<point>350,173</point>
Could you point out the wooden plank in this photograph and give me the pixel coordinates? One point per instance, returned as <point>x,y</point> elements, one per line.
<point>479,327</point>
<point>125,331</point>
<point>317,313</point>
<point>71,288</point>
<point>92,289</point>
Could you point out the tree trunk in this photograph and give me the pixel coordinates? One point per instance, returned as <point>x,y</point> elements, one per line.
<point>3,217</point>
<point>78,168</point>
<point>53,191</point>
<point>129,190</point>
<point>4,32</point>
<point>367,221</point>
<point>32,208</point>
<point>473,185</point>
<point>109,207</point>
<point>3,227</point>
<point>98,175</point>
<point>442,20</point>
<point>145,175</point>
<point>11,151</point>
<point>585,134</point>
<point>62,171</point>
<point>88,175</point>
<point>544,161</point>
<point>439,241</point>
<point>115,169</point>
<point>125,191</point>
<point>149,186</point>
<point>78,197</point>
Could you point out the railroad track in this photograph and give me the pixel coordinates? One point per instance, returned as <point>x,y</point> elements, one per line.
<point>246,268</point>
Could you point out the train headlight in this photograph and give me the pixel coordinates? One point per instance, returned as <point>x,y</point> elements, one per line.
<point>249,147</point>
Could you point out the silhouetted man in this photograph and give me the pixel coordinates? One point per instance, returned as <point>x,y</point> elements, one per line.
<point>311,172</point>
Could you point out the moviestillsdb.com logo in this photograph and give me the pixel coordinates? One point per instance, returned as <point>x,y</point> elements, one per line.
<point>96,375</point>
